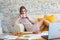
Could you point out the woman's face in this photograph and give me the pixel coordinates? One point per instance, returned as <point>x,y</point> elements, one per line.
<point>23,11</point>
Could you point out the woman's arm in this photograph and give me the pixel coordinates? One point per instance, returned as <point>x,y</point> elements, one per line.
<point>30,20</point>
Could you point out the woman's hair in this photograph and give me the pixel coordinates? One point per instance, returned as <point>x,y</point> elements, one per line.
<point>22,7</point>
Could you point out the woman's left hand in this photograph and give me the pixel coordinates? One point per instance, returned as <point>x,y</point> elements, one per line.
<point>37,32</point>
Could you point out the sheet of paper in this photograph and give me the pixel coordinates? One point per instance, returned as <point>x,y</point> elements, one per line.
<point>44,33</point>
<point>3,34</point>
<point>10,37</point>
<point>38,35</point>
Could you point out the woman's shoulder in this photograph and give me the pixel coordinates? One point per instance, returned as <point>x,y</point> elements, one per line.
<point>28,15</point>
<point>18,19</point>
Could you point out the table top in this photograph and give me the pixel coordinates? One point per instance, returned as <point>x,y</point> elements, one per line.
<point>33,39</point>
<point>20,34</point>
<point>24,33</point>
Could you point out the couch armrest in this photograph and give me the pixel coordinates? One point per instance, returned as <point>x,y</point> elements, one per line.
<point>19,27</point>
<point>1,31</point>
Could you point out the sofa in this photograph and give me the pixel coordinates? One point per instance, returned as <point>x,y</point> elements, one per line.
<point>0,28</point>
<point>20,27</point>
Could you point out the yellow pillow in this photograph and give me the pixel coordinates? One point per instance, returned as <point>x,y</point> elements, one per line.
<point>39,19</point>
<point>49,18</point>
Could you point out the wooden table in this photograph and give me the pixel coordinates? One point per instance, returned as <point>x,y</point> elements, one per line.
<point>27,39</point>
<point>56,39</point>
<point>19,33</point>
<point>24,33</point>
<point>32,39</point>
<point>1,39</point>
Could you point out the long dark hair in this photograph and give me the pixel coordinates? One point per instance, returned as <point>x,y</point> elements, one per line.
<point>22,7</point>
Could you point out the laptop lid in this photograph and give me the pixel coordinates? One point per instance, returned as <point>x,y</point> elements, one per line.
<point>54,30</point>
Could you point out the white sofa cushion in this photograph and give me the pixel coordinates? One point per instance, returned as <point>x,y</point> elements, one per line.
<point>19,27</point>
<point>57,17</point>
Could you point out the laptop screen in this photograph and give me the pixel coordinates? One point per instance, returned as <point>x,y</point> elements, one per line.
<point>54,30</point>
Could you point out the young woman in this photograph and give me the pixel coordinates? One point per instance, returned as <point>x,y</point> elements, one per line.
<point>29,25</point>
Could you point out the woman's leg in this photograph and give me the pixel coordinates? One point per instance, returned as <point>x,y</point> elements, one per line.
<point>42,27</point>
<point>40,23</point>
<point>46,22</point>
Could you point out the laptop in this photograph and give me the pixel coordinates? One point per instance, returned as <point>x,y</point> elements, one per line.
<point>54,31</point>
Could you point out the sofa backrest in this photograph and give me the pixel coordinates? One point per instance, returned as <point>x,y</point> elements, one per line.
<point>56,16</point>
